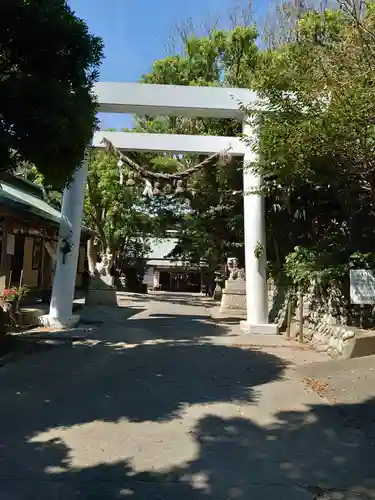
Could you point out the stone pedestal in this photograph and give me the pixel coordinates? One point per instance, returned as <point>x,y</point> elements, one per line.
<point>101,298</point>
<point>102,291</point>
<point>218,292</point>
<point>233,301</point>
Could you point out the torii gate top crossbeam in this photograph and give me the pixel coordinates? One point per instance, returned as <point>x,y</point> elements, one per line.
<point>172,100</point>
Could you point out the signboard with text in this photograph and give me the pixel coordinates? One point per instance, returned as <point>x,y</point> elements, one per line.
<point>362,286</point>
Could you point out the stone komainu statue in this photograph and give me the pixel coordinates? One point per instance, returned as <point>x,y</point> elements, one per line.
<point>235,273</point>
<point>242,274</point>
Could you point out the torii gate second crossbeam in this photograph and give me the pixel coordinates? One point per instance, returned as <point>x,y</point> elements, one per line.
<point>169,100</point>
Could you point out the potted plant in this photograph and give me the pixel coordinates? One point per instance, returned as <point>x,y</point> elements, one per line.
<point>10,297</point>
<point>22,291</point>
<point>13,295</point>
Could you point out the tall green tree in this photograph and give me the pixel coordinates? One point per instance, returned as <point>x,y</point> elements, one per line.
<point>316,140</point>
<point>123,218</point>
<point>316,144</point>
<point>112,209</point>
<point>213,227</point>
<point>48,64</point>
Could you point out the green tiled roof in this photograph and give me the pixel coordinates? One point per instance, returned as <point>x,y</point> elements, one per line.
<point>160,248</point>
<point>26,201</point>
<point>27,197</point>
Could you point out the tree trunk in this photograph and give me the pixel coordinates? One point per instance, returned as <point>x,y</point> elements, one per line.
<point>371,181</point>
<point>91,256</point>
<point>108,261</point>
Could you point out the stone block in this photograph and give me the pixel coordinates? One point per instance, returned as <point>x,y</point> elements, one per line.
<point>227,315</point>
<point>233,301</point>
<point>235,285</point>
<point>101,282</point>
<point>234,296</point>
<point>359,345</point>
<point>104,297</point>
<point>265,329</point>
<point>30,316</point>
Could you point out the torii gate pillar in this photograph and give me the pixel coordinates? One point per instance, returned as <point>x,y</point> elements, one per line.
<point>255,248</point>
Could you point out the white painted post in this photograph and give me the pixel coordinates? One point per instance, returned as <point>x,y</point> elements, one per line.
<point>61,306</point>
<point>255,248</point>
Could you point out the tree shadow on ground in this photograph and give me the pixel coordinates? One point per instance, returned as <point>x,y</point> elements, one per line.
<point>105,382</point>
<point>308,450</point>
<point>185,299</point>
<point>178,327</point>
<point>302,455</point>
<point>177,298</point>
<point>104,315</point>
<point>95,383</point>
<point>155,327</point>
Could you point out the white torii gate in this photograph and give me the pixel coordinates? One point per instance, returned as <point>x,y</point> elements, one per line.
<point>152,100</point>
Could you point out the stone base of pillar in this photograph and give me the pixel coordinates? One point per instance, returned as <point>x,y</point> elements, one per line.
<point>61,324</point>
<point>265,329</point>
<point>102,281</point>
<point>233,300</point>
<point>227,315</point>
<point>101,291</point>
<point>103,297</point>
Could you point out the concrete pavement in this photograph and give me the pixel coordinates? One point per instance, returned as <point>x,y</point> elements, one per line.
<point>158,402</point>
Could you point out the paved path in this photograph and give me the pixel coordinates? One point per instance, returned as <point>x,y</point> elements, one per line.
<point>157,402</point>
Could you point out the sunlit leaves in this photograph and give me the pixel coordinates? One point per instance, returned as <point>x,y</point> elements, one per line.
<point>48,62</point>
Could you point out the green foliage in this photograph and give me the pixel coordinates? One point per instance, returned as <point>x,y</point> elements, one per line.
<point>258,250</point>
<point>316,140</point>
<point>319,102</point>
<point>223,57</point>
<point>29,172</point>
<point>133,260</point>
<point>212,228</point>
<point>305,266</point>
<point>112,209</point>
<point>302,266</point>
<point>32,174</point>
<point>119,213</point>
<point>48,63</point>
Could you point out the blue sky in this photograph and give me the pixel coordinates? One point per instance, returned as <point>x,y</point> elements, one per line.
<point>135,33</point>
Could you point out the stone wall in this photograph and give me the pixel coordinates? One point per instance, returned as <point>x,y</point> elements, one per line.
<point>337,340</point>
<point>278,303</point>
<point>325,317</point>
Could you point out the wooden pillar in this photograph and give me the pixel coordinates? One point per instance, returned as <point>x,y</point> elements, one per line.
<point>5,259</point>
<point>41,262</point>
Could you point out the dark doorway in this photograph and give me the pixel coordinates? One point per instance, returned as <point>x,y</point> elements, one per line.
<point>173,281</point>
<point>165,281</point>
